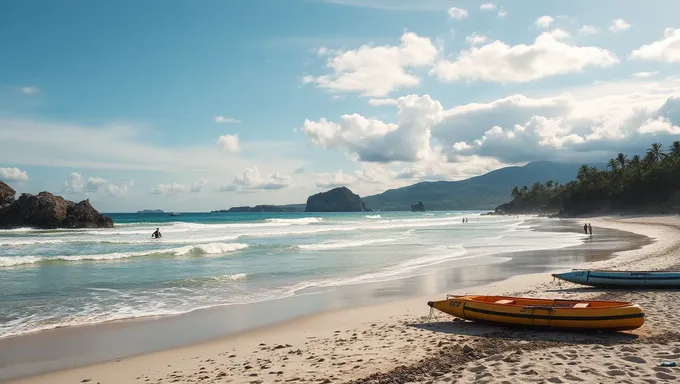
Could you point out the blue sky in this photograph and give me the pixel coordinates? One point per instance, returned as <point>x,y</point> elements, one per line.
<point>196,106</point>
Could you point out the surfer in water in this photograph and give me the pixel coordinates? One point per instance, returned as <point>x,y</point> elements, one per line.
<point>156,234</point>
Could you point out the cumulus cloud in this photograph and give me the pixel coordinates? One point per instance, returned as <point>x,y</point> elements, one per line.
<point>666,49</point>
<point>169,189</point>
<point>502,13</point>
<point>644,75</point>
<point>252,180</point>
<point>586,30</point>
<point>377,70</point>
<point>226,120</point>
<point>372,140</point>
<point>13,174</point>
<point>228,143</point>
<point>551,54</point>
<point>475,39</point>
<point>659,125</point>
<point>30,90</point>
<point>619,25</point>
<point>577,124</point>
<point>198,186</point>
<point>458,13</point>
<point>177,188</point>
<point>487,7</point>
<point>77,184</point>
<point>544,21</point>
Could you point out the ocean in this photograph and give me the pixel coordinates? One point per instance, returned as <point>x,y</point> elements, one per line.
<point>56,278</point>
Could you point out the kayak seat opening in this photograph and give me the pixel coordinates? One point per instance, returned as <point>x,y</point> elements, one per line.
<point>581,305</point>
<point>504,301</point>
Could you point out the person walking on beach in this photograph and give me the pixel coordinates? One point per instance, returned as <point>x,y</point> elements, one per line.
<point>585,228</point>
<point>156,234</point>
<point>590,229</point>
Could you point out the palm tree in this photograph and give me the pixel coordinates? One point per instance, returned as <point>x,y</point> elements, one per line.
<point>621,160</point>
<point>635,161</point>
<point>674,149</point>
<point>549,184</point>
<point>583,172</point>
<point>612,164</point>
<point>655,153</point>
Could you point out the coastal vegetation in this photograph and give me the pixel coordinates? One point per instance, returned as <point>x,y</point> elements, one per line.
<point>635,184</point>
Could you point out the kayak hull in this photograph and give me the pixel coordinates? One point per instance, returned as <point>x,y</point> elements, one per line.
<point>545,313</point>
<point>624,279</point>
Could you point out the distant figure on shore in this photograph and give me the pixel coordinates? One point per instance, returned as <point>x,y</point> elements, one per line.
<point>585,228</point>
<point>590,229</point>
<point>156,234</point>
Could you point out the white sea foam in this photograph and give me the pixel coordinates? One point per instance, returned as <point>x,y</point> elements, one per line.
<point>300,221</point>
<point>343,244</point>
<point>199,249</point>
<point>373,217</point>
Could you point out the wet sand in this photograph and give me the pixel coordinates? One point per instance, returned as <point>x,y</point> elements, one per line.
<point>337,345</point>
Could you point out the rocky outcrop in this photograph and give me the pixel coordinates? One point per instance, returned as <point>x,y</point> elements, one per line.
<point>6,195</point>
<point>47,211</point>
<point>339,199</point>
<point>418,207</point>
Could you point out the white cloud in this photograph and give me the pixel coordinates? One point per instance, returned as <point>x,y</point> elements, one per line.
<point>551,54</point>
<point>502,13</point>
<point>619,25</point>
<point>13,174</point>
<point>487,7</point>
<point>251,180</point>
<point>76,184</point>
<point>372,140</point>
<point>198,186</point>
<point>475,39</point>
<point>30,90</point>
<point>377,70</point>
<point>659,125</point>
<point>544,21</point>
<point>334,179</point>
<point>228,143</point>
<point>666,49</point>
<point>226,120</point>
<point>169,189</point>
<point>586,30</point>
<point>587,124</point>
<point>458,13</point>
<point>644,75</point>
<point>177,188</point>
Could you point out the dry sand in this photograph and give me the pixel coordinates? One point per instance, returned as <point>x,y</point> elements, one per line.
<point>397,342</point>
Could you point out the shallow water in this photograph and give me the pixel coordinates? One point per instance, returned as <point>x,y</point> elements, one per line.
<point>69,277</point>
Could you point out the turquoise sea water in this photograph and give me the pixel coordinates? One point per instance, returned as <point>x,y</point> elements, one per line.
<point>68,277</point>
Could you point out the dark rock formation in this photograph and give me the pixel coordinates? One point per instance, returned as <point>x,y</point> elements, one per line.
<point>6,195</point>
<point>339,199</point>
<point>48,211</point>
<point>418,207</point>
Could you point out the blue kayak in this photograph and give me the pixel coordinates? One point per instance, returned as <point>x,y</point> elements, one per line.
<point>630,279</point>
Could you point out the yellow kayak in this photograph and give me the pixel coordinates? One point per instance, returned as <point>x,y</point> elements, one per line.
<point>562,314</point>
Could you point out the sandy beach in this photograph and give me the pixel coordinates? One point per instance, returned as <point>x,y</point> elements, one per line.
<point>399,342</point>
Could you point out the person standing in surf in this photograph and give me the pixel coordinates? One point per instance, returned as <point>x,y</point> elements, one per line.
<point>585,228</point>
<point>156,234</point>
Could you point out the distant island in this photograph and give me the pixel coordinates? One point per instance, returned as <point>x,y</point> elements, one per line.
<point>47,211</point>
<point>339,199</point>
<point>151,211</point>
<point>263,208</point>
<point>637,185</point>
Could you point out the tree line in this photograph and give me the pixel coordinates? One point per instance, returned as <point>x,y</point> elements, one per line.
<point>636,184</point>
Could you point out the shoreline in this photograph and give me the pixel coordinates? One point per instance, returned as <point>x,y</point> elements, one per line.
<point>318,324</point>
